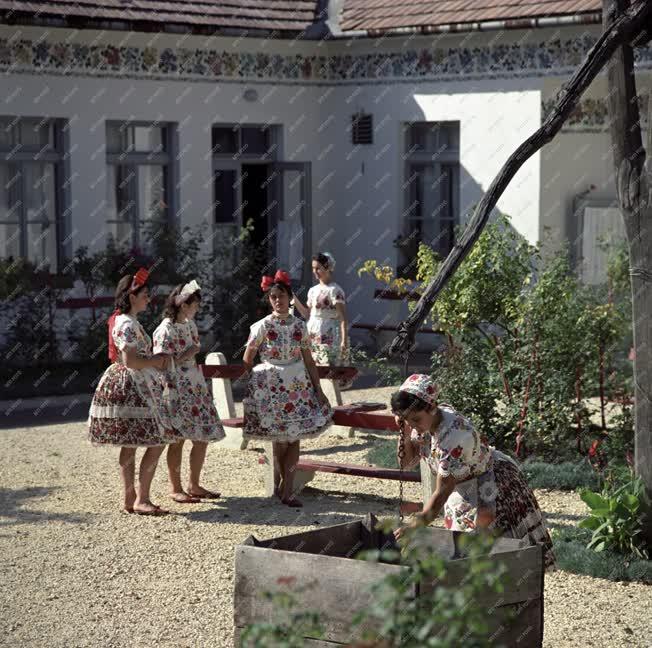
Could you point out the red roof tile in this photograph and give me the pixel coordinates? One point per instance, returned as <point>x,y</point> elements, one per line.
<point>382,15</point>
<point>281,15</point>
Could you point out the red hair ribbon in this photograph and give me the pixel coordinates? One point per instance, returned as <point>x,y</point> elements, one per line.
<point>113,351</point>
<point>140,278</point>
<point>280,277</point>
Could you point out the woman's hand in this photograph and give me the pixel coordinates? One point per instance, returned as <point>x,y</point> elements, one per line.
<point>417,521</point>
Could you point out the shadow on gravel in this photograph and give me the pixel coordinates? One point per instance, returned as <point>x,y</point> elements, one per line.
<point>13,509</point>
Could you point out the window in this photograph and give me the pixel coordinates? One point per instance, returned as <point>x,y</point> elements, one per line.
<point>139,167</point>
<point>31,170</point>
<point>431,191</point>
<point>239,141</point>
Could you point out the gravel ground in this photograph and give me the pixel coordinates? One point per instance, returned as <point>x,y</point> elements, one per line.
<point>77,572</point>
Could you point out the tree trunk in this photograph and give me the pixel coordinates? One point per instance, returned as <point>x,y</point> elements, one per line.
<point>632,183</point>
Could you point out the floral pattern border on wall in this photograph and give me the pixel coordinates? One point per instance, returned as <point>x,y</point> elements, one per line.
<point>592,115</point>
<point>542,59</point>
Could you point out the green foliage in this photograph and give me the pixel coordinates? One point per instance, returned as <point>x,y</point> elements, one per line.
<point>527,344</point>
<point>572,555</point>
<point>290,627</point>
<point>440,615</point>
<point>615,519</point>
<point>386,373</point>
<point>566,476</point>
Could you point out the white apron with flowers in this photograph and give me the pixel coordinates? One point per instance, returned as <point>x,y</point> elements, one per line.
<point>281,403</point>
<point>195,416</point>
<point>324,324</point>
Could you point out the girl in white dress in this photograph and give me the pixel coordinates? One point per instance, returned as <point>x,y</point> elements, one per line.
<point>325,310</point>
<point>128,407</point>
<point>195,416</point>
<point>284,401</point>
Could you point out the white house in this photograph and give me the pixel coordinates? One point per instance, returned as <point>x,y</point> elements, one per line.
<point>335,125</point>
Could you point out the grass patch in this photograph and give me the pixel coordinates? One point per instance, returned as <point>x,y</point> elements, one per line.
<point>573,556</point>
<point>566,476</point>
<point>383,454</point>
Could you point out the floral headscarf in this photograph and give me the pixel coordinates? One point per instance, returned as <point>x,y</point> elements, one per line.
<point>422,386</point>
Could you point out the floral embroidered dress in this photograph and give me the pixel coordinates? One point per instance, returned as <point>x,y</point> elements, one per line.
<point>127,408</point>
<point>281,403</point>
<point>324,324</point>
<point>488,481</point>
<point>195,416</point>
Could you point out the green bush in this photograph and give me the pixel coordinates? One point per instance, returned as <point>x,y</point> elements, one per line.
<point>615,519</point>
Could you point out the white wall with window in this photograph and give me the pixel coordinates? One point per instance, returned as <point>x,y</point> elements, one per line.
<point>32,191</point>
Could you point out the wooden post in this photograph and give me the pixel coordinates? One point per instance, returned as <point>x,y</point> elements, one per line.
<point>332,391</point>
<point>428,481</point>
<point>223,399</point>
<point>633,182</point>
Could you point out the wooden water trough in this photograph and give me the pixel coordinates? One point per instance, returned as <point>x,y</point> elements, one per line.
<point>338,586</point>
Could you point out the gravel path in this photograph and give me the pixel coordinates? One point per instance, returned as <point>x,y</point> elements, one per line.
<point>76,572</point>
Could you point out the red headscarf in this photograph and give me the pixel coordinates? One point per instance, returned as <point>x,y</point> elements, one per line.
<point>280,277</point>
<point>139,279</point>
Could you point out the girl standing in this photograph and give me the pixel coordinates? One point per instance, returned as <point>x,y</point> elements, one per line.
<point>127,407</point>
<point>284,401</point>
<point>477,486</point>
<point>196,418</point>
<point>325,311</point>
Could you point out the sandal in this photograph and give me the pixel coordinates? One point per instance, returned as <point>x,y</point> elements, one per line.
<point>293,503</point>
<point>206,495</point>
<point>157,511</point>
<point>184,498</point>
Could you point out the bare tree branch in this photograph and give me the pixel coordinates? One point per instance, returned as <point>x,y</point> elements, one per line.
<point>623,31</point>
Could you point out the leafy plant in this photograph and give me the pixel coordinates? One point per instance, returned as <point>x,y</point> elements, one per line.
<point>615,519</point>
<point>440,615</point>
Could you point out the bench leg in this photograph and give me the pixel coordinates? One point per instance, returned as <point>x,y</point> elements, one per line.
<point>224,404</point>
<point>301,478</point>
<point>332,391</point>
<point>269,468</point>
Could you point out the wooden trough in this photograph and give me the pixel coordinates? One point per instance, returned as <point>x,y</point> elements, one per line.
<point>339,586</point>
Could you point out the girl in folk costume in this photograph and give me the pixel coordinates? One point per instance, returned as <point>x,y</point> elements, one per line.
<point>325,311</point>
<point>195,417</point>
<point>127,407</point>
<point>284,401</point>
<point>477,486</point>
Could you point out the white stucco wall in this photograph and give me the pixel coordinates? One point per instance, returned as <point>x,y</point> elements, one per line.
<point>357,192</point>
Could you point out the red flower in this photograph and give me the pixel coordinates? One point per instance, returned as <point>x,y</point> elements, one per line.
<point>594,448</point>
<point>182,342</point>
<point>430,389</point>
<point>456,453</point>
<point>448,521</point>
<point>195,411</point>
<point>297,335</point>
<point>289,407</point>
<point>271,335</point>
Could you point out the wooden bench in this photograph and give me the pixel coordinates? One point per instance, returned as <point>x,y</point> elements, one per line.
<point>221,375</point>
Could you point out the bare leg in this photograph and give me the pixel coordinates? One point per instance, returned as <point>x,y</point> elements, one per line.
<point>174,456</point>
<point>148,464</point>
<point>127,461</point>
<point>197,457</point>
<point>280,450</point>
<point>289,468</point>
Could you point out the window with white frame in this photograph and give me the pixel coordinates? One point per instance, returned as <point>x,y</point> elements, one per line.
<point>31,194</point>
<point>139,172</point>
<point>431,188</point>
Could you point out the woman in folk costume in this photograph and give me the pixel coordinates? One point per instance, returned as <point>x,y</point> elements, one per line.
<point>127,408</point>
<point>477,486</point>
<point>195,417</point>
<point>284,401</point>
<point>325,310</point>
